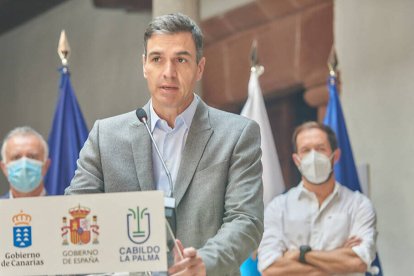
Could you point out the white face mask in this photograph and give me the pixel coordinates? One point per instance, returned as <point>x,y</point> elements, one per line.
<point>316,167</point>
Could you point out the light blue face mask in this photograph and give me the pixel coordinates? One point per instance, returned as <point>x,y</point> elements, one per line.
<point>25,174</point>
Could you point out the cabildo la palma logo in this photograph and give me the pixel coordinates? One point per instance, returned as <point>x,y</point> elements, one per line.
<point>138,224</point>
<point>82,231</point>
<point>22,231</point>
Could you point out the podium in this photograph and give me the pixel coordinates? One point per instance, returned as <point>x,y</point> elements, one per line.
<point>83,234</point>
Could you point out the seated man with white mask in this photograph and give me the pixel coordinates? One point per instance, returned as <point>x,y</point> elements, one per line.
<point>24,155</point>
<point>319,227</point>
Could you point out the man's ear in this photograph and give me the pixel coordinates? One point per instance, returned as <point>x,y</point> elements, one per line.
<point>200,68</point>
<point>3,168</point>
<point>45,167</point>
<point>296,159</point>
<point>337,155</point>
<point>144,60</point>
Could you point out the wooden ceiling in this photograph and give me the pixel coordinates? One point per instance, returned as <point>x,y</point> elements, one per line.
<point>128,5</point>
<point>16,12</point>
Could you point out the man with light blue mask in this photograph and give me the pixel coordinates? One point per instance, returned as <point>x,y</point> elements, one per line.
<point>319,227</point>
<point>24,155</point>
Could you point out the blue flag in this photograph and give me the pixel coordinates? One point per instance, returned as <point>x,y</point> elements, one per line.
<point>66,138</point>
<point>249,267</point>
<point>345,169</point>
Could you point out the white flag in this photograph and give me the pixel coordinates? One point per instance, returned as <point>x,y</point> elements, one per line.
<point>255,109</point>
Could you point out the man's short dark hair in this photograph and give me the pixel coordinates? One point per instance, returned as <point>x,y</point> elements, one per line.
<point>175,23</point>
<point>310,125</point>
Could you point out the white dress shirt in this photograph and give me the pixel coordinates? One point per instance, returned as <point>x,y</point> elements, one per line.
<point>170,142</point>
<point>295,218</point>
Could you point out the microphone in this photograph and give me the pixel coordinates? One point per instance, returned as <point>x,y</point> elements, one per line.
<point>169,201</point>
<point>142,117</point>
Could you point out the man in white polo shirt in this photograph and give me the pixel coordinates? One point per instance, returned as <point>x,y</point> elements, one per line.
<point>319,227</point>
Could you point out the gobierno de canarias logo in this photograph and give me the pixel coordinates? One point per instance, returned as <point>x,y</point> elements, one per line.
<point>80,228</point>
<point>22,231</point>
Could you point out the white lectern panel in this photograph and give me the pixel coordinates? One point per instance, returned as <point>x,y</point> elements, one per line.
<point>83,234</point>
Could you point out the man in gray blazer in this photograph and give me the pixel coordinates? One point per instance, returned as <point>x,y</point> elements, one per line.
<point>213,156</point>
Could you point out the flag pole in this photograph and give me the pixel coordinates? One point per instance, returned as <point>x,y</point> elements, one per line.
<point>255,109</point>
<point>63,49</point>
<point>254,60</point>
<point>345,169</point>
<point>333,62</point>
<point>68,131</point>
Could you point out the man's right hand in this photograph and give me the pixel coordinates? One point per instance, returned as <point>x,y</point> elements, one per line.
<point>187,262</point>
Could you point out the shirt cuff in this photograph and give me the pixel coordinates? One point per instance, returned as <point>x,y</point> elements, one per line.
<point>267,260</point>
<point>364,253</point>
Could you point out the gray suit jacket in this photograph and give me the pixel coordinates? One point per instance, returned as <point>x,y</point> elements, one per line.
<point>218,190</point>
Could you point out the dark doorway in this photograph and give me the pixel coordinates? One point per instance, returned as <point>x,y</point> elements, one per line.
<point>286,110</point>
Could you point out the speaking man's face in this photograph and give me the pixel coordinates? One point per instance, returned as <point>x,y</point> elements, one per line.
<point>171,70</point>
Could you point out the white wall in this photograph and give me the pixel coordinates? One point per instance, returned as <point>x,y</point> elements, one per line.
<point>105,64</point>
<point>375,44</point>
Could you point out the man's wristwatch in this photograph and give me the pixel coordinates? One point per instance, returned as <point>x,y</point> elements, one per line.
<point>303,249</point>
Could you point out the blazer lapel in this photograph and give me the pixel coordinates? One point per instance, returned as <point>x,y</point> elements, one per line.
<point>142,153</point>
<point>198,136</point>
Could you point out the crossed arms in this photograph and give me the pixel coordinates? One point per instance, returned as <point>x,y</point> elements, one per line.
<point>319,263</point>
<point>280,256</point>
